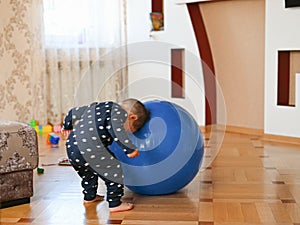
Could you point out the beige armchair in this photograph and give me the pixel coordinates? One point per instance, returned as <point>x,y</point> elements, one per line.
<point>18,159</point>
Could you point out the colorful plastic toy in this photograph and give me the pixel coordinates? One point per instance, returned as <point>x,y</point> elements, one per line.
<point>52,139</point>
<point>40,129</point>
<point>33,123</point>
<point>47,129</point>
<point>57,128</point>
<point>40,170</point>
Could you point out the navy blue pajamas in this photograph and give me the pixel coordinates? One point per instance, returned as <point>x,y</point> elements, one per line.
<point>90,178</point>
<point>94,128</point>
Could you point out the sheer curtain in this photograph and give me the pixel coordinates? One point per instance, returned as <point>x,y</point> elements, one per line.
<point>85,51</point>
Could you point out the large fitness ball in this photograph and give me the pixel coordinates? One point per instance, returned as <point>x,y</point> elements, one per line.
<point>171,151</point>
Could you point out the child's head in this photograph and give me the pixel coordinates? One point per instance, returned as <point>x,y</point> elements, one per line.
<point>137,114</point>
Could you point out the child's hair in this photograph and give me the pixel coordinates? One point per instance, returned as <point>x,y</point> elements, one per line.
<point>137,108</point>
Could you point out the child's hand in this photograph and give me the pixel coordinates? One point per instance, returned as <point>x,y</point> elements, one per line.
<point>64,132</point>
<point>134,154</point>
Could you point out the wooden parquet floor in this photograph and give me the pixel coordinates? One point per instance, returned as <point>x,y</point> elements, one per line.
<point>250,182</point>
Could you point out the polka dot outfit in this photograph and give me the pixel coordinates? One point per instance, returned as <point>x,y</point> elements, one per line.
<point>94,128</point>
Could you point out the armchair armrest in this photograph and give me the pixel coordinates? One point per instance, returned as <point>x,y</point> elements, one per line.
<point>18,147</point>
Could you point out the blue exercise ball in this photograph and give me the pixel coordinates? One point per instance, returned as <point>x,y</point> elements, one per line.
<point>171,151</point>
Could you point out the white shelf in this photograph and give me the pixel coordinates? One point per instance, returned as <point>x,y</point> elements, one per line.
<point>156,34</point>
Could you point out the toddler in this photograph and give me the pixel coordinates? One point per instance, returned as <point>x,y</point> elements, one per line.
<point>90,130</point>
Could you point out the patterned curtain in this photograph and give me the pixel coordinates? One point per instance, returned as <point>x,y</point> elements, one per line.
<point>85,53</point>
<point>42,78</point>
<point>22,92</point>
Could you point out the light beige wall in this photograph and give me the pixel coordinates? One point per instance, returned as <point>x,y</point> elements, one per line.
<point>294,68</point>
<point>22,88</point>
<point>236,34</point>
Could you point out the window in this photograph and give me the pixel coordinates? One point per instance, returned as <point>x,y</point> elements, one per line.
<point>76,23</point>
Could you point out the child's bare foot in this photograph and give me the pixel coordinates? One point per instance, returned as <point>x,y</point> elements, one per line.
<point>123,207</point>
<point>97,199</point>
